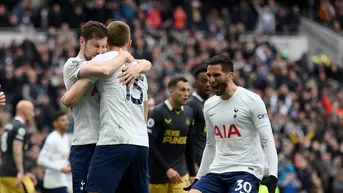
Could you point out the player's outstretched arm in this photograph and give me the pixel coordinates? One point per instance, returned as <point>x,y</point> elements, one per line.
<point>97,68</point>
<point>263,126</point>
<point>2,99</point>
<point>74,94</point>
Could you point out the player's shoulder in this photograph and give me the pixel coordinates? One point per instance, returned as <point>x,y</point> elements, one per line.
<point>191,100</point>
<point>187,109</point>
<point>16,127</point>
<point>16,124</point>
<point>249,96</point>
<point>73,62</point>
<point>160,107</point>
<point>105,56</point>
<point>51,137</point>
<point>212,101</point>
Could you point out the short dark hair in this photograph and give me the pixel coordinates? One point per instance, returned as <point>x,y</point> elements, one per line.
<point>93,29</point>
<point>118,34</point>
<point>223,60</point>
<point>199,69</point>
<point>59,114</point>
<point>173,82</point>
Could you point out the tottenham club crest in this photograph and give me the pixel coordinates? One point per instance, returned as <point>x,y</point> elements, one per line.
<point>235,110</point>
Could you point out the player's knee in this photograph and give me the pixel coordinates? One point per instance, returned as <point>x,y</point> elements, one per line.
<point>194,191</point>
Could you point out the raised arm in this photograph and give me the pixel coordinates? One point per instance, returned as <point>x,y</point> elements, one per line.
<point>74,94</point>
<point>96,68</point>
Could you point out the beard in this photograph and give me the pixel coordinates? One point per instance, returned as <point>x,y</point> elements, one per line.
<point>220,88</point>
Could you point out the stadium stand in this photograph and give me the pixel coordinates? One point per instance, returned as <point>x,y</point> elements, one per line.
<point>303,92</point>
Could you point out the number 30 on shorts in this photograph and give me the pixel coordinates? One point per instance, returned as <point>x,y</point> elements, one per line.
<point>243,187</point>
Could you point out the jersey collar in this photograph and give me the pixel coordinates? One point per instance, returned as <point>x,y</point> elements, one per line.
<point>198,97</point>
<point>19,119</point>
<point>169,105</point>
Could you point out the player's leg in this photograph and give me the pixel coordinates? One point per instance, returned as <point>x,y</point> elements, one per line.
<point>243,182</point>
<point>139,170</point>
<point>178,187</point>
<point>8,185</point>
<point>211,183</point>
<point>108,166</point>
<point>159,188</point>
<point>80,157</point>
<point>28,185</point>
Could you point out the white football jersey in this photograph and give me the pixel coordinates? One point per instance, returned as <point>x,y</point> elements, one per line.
<point>86,111</point>
<point>233,131</point>
<point>121,108</point>
<point>53,157</point>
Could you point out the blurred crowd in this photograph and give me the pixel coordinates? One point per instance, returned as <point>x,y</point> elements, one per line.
<point>329,12</point>
<point>304,98</point>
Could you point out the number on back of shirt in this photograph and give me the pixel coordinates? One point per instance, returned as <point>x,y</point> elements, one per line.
<point>243,187</point>
<point>4,141</point>
<point>134,93</point>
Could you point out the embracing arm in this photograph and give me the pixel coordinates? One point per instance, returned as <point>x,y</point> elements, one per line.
<point>145,65</point>
<point>104,68</point>
<point>74,94</point>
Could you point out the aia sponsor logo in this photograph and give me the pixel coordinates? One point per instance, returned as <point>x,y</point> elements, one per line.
<point>226,131</point>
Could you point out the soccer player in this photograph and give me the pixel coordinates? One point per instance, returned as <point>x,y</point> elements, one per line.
<point>2,99</point>
<point>85,104</point>
<point>54,156</point>
<point>196,102</point>
<point>122,147</point>
<point>237,122</point>
<point>170,137</point>
<point>14,142</point>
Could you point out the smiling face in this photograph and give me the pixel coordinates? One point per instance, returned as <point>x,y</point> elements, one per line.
<point>218,79</point>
